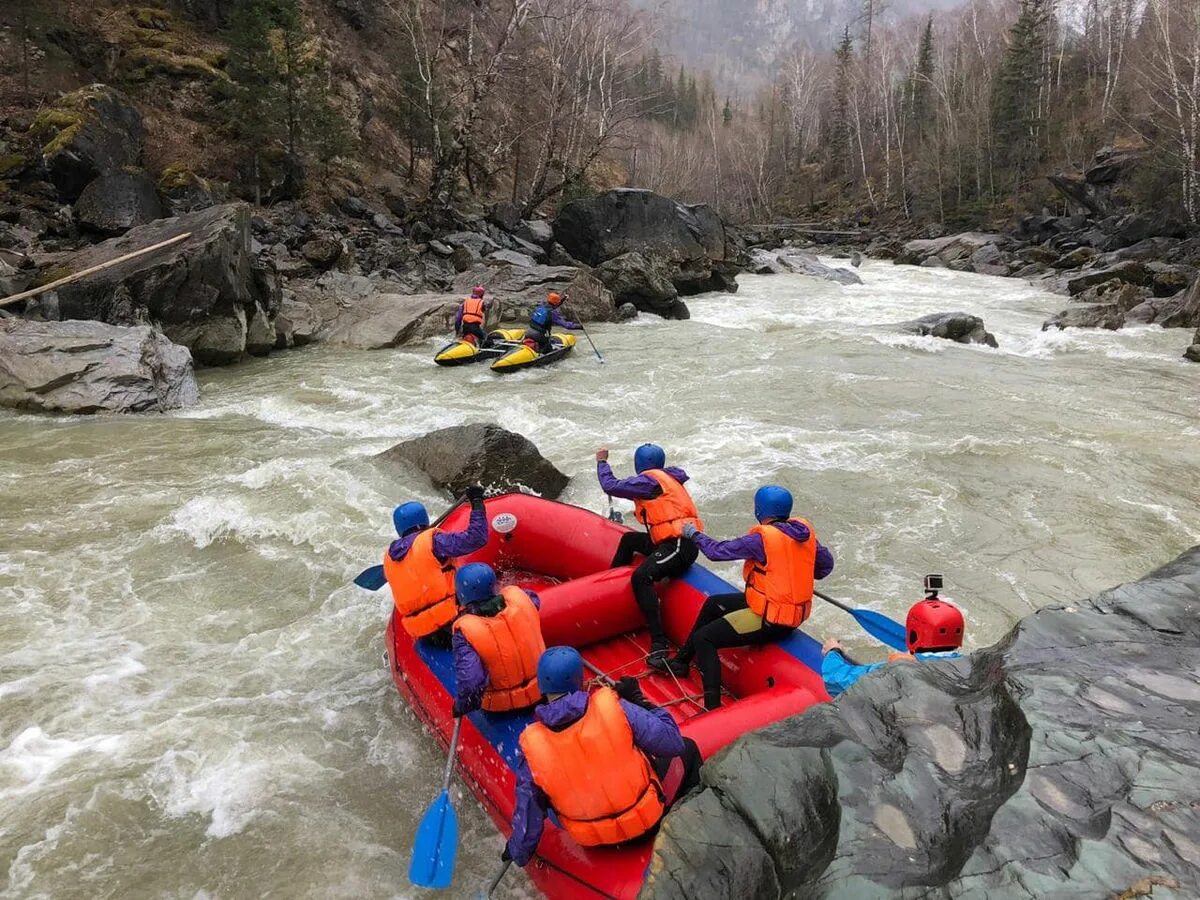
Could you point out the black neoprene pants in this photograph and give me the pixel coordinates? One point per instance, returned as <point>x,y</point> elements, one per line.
<point>670,559</point>
<point>714,630</point>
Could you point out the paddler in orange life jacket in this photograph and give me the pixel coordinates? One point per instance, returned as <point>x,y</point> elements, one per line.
<point>606,764</point>
<point>934,631</point>
<point>782,559</point>
<point>419,566</point>
<point>664,506</point>
<point>472,313</point>
<point>497,644</point>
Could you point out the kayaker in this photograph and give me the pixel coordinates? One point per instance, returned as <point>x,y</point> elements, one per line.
<point>472,313</point>
<point>782,558</point>
<point>419,566</point>
<point>665,507</point>
<point>544,317</point>
<point>934,631</point>
<point>599,762</point>
<point>497,644</point>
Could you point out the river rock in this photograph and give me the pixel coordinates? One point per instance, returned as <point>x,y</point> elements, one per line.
<point>512,258</point>
<point>90,132</point>
<point>644,281</point>
<point>536,231</point>
<point>114,203</point>
<point>954,250</point>
<point>380,321</point>
<point>89,367</point>
<point>201,291</point>
<point>691,239</point>
<point>1179,311</point>
<point>183,191</point>
<point>1130,272</point>
<point>1062,762</point>
<point>801,262</point>
<point>1192,353</point>
<point>960,327</point>
<point>322,250</point>
<point>524,288</point>
<point>483,453</point>
<point>1087,315</point>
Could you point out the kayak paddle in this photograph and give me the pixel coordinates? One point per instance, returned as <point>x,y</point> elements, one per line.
<point>599,356</point>
<point>372,577</point>
<point>436,844</point>
<point>495,883</point>
<point>879,626</point>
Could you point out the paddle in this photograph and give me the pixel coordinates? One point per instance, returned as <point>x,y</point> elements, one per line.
<point>499,877</point>
<point>436,844</point>
<point>599,356</point>
<point>875,624</point>
<point>372,577</point>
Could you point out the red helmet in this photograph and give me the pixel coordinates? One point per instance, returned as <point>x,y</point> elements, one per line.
<point>554,299</point>
<point>477,291</point>
<point>934,625</point>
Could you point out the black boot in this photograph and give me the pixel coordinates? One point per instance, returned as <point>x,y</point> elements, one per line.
<point>712,700</point>
<point>657,658</point>
<point>679,667</point>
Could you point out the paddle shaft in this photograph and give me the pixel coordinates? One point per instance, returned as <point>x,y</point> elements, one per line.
<point>601,675</point>
<point>599,356</point>
<point>453,753</point>
<point>499,878</point>
<point>838,603</point>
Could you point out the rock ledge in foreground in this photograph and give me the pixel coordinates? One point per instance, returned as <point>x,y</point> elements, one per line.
<point>89,367</point>
<point>1062,762</point>
<point>481,453</point>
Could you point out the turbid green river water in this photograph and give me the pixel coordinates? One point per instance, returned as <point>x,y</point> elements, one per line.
<point>192,699</point>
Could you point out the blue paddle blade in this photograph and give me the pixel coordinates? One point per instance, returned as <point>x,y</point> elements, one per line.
<point>436,845</point>
<point>372,579</point>
<point>881,628</point>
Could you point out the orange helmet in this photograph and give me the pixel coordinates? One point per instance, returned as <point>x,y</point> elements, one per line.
<point>934,625</point>
<point>554,299</point>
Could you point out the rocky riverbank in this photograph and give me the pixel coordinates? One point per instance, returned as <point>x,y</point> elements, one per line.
<point>1063,761</point>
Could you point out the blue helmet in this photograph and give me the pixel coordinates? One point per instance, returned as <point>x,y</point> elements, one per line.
<point>649,456</point>
<point>474,582</point>
<point>772,502</point>
<point>409,516</point>
<point>560,671</point>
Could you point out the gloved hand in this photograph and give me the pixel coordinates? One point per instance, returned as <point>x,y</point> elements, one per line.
<point>602,455</point>
<point>628,689</point>
<point>475,494</point>
<point>457,709</point>
<point>506,856</point>
<point>689,530</point>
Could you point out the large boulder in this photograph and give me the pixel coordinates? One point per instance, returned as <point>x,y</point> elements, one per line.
<point>955,250</point>
<point>524,288</point>
<point>644,281</point>
<point>1062,762</point>
<point>202,291</point>
<point>114,203</point>
<point>1192,353</point>
<point>383,321</point>
<point>1129,272</point>
<point>690,238</point>
<point>1087,315</point>
<point>1179,311</point>
<point>89,367</point>
<point>482,453</point>
<point>183,191</point>
<point>1095,190</point>
<point>960,327</point>
<point>93,131</point>
<point>800,262</point>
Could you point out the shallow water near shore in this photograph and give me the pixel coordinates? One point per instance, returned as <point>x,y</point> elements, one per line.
<point>192,697</point>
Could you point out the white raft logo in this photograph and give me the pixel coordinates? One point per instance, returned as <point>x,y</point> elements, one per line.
<point>504,523</point>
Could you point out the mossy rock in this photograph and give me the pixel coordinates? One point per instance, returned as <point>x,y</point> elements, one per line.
<point>150,18</point>
<point>12,164</point>
<point>50,274</point>
<point>144,63</point>
<point>56,128</point>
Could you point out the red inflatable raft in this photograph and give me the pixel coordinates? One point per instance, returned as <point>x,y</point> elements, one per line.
<point>563,553</point>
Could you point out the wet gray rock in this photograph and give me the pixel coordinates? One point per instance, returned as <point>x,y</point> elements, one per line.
<point>90,367</point>
<point>1192,353</point>
<point>1130,272</point>
<point>512,258</point>
<point>1087,315</point>
<point>536,231</point>
<point>90,132</point>
<point>201,292</point>
<point>800,262</point>
<point>960,327</point>
<point>1062,762</point>
<point>114,203</point>
<point>644,281</point>
<point>953,251</point>
<point>380,321</point>
<point>521,289</point>
<point>481,453</point>
<point>627,311</point>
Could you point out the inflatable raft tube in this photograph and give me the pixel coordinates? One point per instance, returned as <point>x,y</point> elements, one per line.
<point>498,342</point>
<point>524,357</point>
<point>563,552</point>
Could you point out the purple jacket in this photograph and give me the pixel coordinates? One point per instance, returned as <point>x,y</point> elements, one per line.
<point>750,546</point>
<point>639,487</point>
<point>556,318</point>
<point>448,544</point>
<point>470,674</point>
<point>487,308</point>
<point>654,732</point>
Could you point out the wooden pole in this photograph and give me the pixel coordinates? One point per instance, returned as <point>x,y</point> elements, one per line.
<point>93,269</point>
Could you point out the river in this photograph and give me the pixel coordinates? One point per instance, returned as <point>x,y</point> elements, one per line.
<point>192,699</point>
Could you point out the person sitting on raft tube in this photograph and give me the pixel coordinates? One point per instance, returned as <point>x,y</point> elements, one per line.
<point>934,631</point>
<point>544,317</point>
<point>419,566</point>
<point>602,762</point>
<point>497,644</point>
<point>664,506</point>
<point>472,313</point>
<point>782,558</point>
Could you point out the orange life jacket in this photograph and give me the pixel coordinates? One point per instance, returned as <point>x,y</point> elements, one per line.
<point>510,645</point>
<point>900,657</point>
<point>600,784</point>
<point>422,587</point>
<point>665,515</point>
<point>473,311</point>
<point>782,590</point>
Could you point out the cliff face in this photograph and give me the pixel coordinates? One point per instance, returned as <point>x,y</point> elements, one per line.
<point>1063,761</point>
